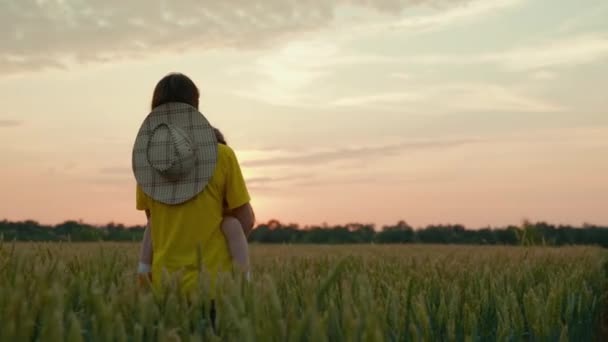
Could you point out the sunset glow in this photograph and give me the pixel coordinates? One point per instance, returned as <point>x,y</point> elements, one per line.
<point>474,112</point>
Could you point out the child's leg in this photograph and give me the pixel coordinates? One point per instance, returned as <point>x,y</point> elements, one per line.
<point>145,258</point>
<point>237,243</point>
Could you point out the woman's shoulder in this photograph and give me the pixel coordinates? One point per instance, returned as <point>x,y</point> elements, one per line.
<point>226,157</point>
<point>225,151</point>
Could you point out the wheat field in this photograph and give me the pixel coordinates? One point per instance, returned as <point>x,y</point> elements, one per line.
<point>88,292</point>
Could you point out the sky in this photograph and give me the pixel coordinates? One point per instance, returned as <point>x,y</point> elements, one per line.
<point>464,111</point>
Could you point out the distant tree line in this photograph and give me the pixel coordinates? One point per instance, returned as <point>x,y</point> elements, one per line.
<point>527,233</point>
<point>68,231</point>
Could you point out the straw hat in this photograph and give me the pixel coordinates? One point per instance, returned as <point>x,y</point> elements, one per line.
<point>174,154</point>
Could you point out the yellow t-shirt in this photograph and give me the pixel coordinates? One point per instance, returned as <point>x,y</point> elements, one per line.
<point>180,233</point>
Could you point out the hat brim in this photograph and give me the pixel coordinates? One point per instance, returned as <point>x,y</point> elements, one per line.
<point>202,135</point>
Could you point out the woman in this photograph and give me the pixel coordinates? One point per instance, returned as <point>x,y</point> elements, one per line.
<point>186,184</point>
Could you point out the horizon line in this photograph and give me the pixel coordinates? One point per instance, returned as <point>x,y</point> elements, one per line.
<point>325,225</point>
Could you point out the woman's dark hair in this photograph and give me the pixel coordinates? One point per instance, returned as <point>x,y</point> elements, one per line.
<point>220,136</point>
<point>175,87</point>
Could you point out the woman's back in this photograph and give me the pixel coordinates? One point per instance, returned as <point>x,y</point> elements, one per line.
<point>181,233</point>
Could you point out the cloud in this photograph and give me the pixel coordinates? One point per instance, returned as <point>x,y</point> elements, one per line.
<point>284,73</point>
<point>401,76</point>
<point>43,33</point>
<point>10,123</point>
<point>571,51</point>
<point>544,75</point>
<point>473,9</point>
<point>345,180</point>
<point>386,98</point>
<point>287,76</point>
<point>353,153</point>
<point>589,17</point>
<point>563,52</point>
<point>454,98</point>
<point>262,181</point>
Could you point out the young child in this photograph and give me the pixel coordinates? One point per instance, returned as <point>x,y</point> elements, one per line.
<point>231,227</point>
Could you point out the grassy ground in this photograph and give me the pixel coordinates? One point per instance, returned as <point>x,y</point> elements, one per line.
<point>77,292</point>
